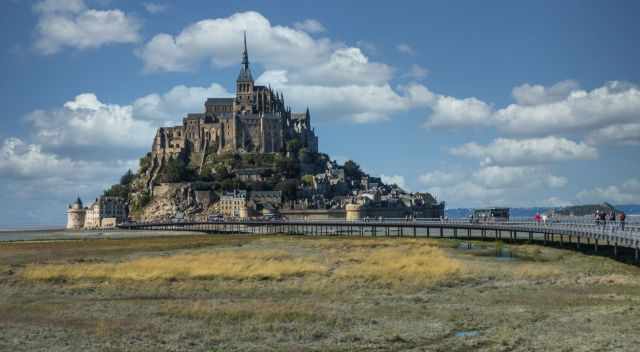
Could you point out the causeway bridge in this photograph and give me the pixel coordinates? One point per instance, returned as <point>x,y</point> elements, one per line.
<point>611,238</point>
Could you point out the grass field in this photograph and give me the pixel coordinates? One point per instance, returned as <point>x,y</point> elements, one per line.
<point>237,293</point>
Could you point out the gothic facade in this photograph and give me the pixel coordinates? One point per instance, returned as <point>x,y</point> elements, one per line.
<point>256,120</point>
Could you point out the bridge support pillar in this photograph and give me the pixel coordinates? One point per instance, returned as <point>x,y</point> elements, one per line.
<point>595,245</point>
<point>428,232</point>
<point>530,237</point>
<point>415,232</point>
<point>637,255</point>
<point>455,233</point>
<point>615,249</point>
<point>441,232</point>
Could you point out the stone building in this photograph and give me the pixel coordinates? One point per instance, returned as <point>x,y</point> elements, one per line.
<point>234,204</point>
<point>106,208</point>
<point>256,120</point>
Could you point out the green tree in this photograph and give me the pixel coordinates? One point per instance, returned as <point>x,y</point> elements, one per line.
<point>289,188</point>
<point>127,177</point>
<point>145,163</point>
<point>352,170</point>
<point>293,146</point>
<point>307,180</point>
<point>175,170</point>
<point>117,191</point>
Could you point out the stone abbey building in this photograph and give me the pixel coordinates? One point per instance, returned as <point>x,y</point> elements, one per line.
<point>256,120</point>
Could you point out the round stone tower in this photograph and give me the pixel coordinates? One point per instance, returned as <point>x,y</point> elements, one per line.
<point>75,215</point>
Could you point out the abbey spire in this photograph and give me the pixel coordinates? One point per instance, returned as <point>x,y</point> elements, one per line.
<point>245,72</point>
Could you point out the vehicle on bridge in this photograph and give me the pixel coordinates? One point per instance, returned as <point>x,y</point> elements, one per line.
<point>489,215</point>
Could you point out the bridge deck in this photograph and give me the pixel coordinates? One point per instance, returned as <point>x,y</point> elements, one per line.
<point>615,235</point>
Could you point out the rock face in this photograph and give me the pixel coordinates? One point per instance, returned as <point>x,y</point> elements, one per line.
<point>174,200</point>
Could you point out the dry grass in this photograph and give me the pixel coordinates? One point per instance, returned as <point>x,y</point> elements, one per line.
<point>252,311</point>
<point>415,262</point>
<point>226,264</point>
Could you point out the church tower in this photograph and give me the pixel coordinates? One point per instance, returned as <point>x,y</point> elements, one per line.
<point>244,83</point>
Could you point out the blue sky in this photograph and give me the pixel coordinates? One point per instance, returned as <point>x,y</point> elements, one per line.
<point>480,103</point>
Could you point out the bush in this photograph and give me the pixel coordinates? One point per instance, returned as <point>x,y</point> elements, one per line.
<point>127,178</point>
<point>117,191</point>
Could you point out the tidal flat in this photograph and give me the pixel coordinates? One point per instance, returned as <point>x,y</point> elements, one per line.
<point>279,293</point>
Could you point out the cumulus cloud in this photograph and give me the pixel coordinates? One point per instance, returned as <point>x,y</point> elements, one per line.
<point>536,94</point>
<point>395,180</point>
<point>454,112</point>
<point>405,49</point>
<point>621,134</point>
<point>504,151</point>
<point>176,103</point>
<point>490,186</point>
<point>219,41</point>
<point>517,176</point>
<point>21,161</point>
<point>86,121</point>
<point>69,23</point>
<point>310,26</point>
<point>359,103</point>
<point>154,8</point>
<point>613,103</point>
<point>626,193</point>
<point>561,108</point>
<point>440,178</point>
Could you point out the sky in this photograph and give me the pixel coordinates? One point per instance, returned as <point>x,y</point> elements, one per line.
<point>496,103</point>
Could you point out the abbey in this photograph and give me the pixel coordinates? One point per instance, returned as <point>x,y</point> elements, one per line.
<point>256,120</point>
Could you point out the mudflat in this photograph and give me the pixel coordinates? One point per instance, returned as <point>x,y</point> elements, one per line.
<point>261,293</point>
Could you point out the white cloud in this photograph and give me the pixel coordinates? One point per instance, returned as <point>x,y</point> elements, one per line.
<point>440,178</point>
<point>220,41</point>
<point>405,49</point>
<point>613,103</point>
<point>454,112</point>
<point>154,8</point>
<point>176,103</point>
<point>490,186</point>
<point>503,151</point>
<point>22,161</point>
<point>89,122</point>
<point>626,193</point>
<point>517,177</point>
<point>556,202</point>
<point>67,23</point>
<point>527,94</point>
<point>417,72</point>
<point>310,26</point>
<point>559,109</point>
<point>622,134</point>
<point>395,180</point>
<point>359,103</point>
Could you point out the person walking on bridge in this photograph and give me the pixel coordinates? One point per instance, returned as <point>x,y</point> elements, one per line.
<point>623,217</point>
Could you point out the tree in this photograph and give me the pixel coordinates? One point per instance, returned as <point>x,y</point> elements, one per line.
<point>175,170</point>
<point>145,163</point>
<point>293,146</point>
<point>289,188</point>
<point>117,191</point>
<point>307,180</point>
<point>127,177</point>
<point>352,170</point>
<point>288,167</point>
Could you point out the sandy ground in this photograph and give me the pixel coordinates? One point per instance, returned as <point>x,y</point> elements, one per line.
<point>248,293</point>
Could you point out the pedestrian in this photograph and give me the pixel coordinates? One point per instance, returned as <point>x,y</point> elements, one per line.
<point>544,219</point>
<point>623,217</point>
<point>603,219</point>
<point>596,217</point>
<point>537,218</point>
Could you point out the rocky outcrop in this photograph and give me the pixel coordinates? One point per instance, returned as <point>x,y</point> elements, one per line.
<point>173,200</point>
